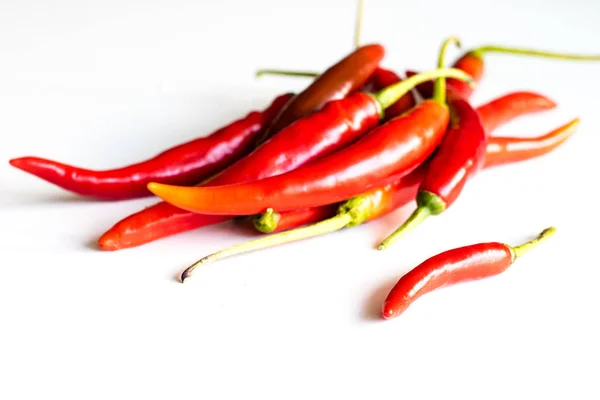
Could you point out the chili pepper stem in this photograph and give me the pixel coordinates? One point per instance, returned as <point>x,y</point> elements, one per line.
<point>480,51</point>
<point>353,212</point>
<point>267,221</point>
<point>439,88</point>
<point>305,74</point>
<point>518,251</point>
<point>393,93</point>
<point>427,204</point>
<point>320,228</point>
<point>359,20</point>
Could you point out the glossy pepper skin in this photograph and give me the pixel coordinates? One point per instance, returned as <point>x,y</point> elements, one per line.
<point>339,80</point>
<point>400,145</point>
<point>460,155</point>
<point>454,266</point>
<point>339,123</point>
<point>382,78</point>
<point>492,114</point>
<point>185,164</point>
<point>499,151</point>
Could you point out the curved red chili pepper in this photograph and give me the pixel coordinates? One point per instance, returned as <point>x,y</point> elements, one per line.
<point>460,155</point>
<point>401,144</point>
<point>454,266</point>
<point>185,164</point>
<point>506,108</point>
<point>336,82</point>
<point>499,151</point>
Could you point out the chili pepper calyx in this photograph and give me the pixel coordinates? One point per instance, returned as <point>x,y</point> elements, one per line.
<point>427,204</point>
<point>267,221</point>
<point>357,208</point>
<point>434,203</point>
<point>518,251</point>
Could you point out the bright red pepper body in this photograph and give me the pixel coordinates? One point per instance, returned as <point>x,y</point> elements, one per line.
<point>400,145</point>
<point>338,124</point>
<point>448,268</point>
<point>186,164</point>
<point>459,156</point>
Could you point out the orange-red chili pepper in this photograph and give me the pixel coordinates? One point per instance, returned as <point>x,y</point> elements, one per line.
<point>455,266</point>
<point>499,151</point>
<point>400,145</point>
<point>185,164</point>
<point>493,115</point>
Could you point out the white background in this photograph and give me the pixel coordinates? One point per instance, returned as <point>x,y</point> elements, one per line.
<point>104,83</point>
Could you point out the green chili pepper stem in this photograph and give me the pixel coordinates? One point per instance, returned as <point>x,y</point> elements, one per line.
<point>518,251</point>
<point>305,74</point>
<point>391,94</point>
<point>358,25</point>
<point>427,204</point>
<point>350,213</point>
<point>320,228</point>
<point>267,221</point>
<point>439,88</point>
<point>480,51</point>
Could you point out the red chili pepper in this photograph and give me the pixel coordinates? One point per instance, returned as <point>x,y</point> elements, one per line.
<point>472,63</point>
<point>336,82</point>
<point>371,205</point>
<point>401,144</point>
<point>185,164</point>
<point>505,108</point>
<point>454,266</point>
<point>499,151</point>
<point>460,155</point>
<point>493,115</point>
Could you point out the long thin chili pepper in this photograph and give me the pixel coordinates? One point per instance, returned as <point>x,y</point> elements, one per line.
<point>499,151</point>
<point>400,145</point>
<point>455,266</point>
<point>186,164</point>
<point>335,83</point>
<point>460,155</point>
<point>472,63</point>
<point>371,205</point>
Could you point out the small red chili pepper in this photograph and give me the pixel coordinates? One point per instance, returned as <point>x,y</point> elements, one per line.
<point>400,145</point>
<point>505,150</point>
<point>499,151</point>
<point>472,63</point>
<point>454,266</point>
<point>506,108</point>
<point>336,82</point>
<point>460,155</point>
<point>186,164</point>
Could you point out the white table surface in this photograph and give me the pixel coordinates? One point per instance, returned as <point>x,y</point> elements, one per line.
<point>103,83</point>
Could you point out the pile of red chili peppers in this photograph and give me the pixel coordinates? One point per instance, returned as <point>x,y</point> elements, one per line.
<point>356,144</point>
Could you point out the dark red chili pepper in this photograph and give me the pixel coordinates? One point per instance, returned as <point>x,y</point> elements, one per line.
<point>454,266</point>
<point>472,63</point>
<point>499,151</point>
<point>460,155</point>
<point>336,82</point>
<point>186,164</point>
<point>401,144</point>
